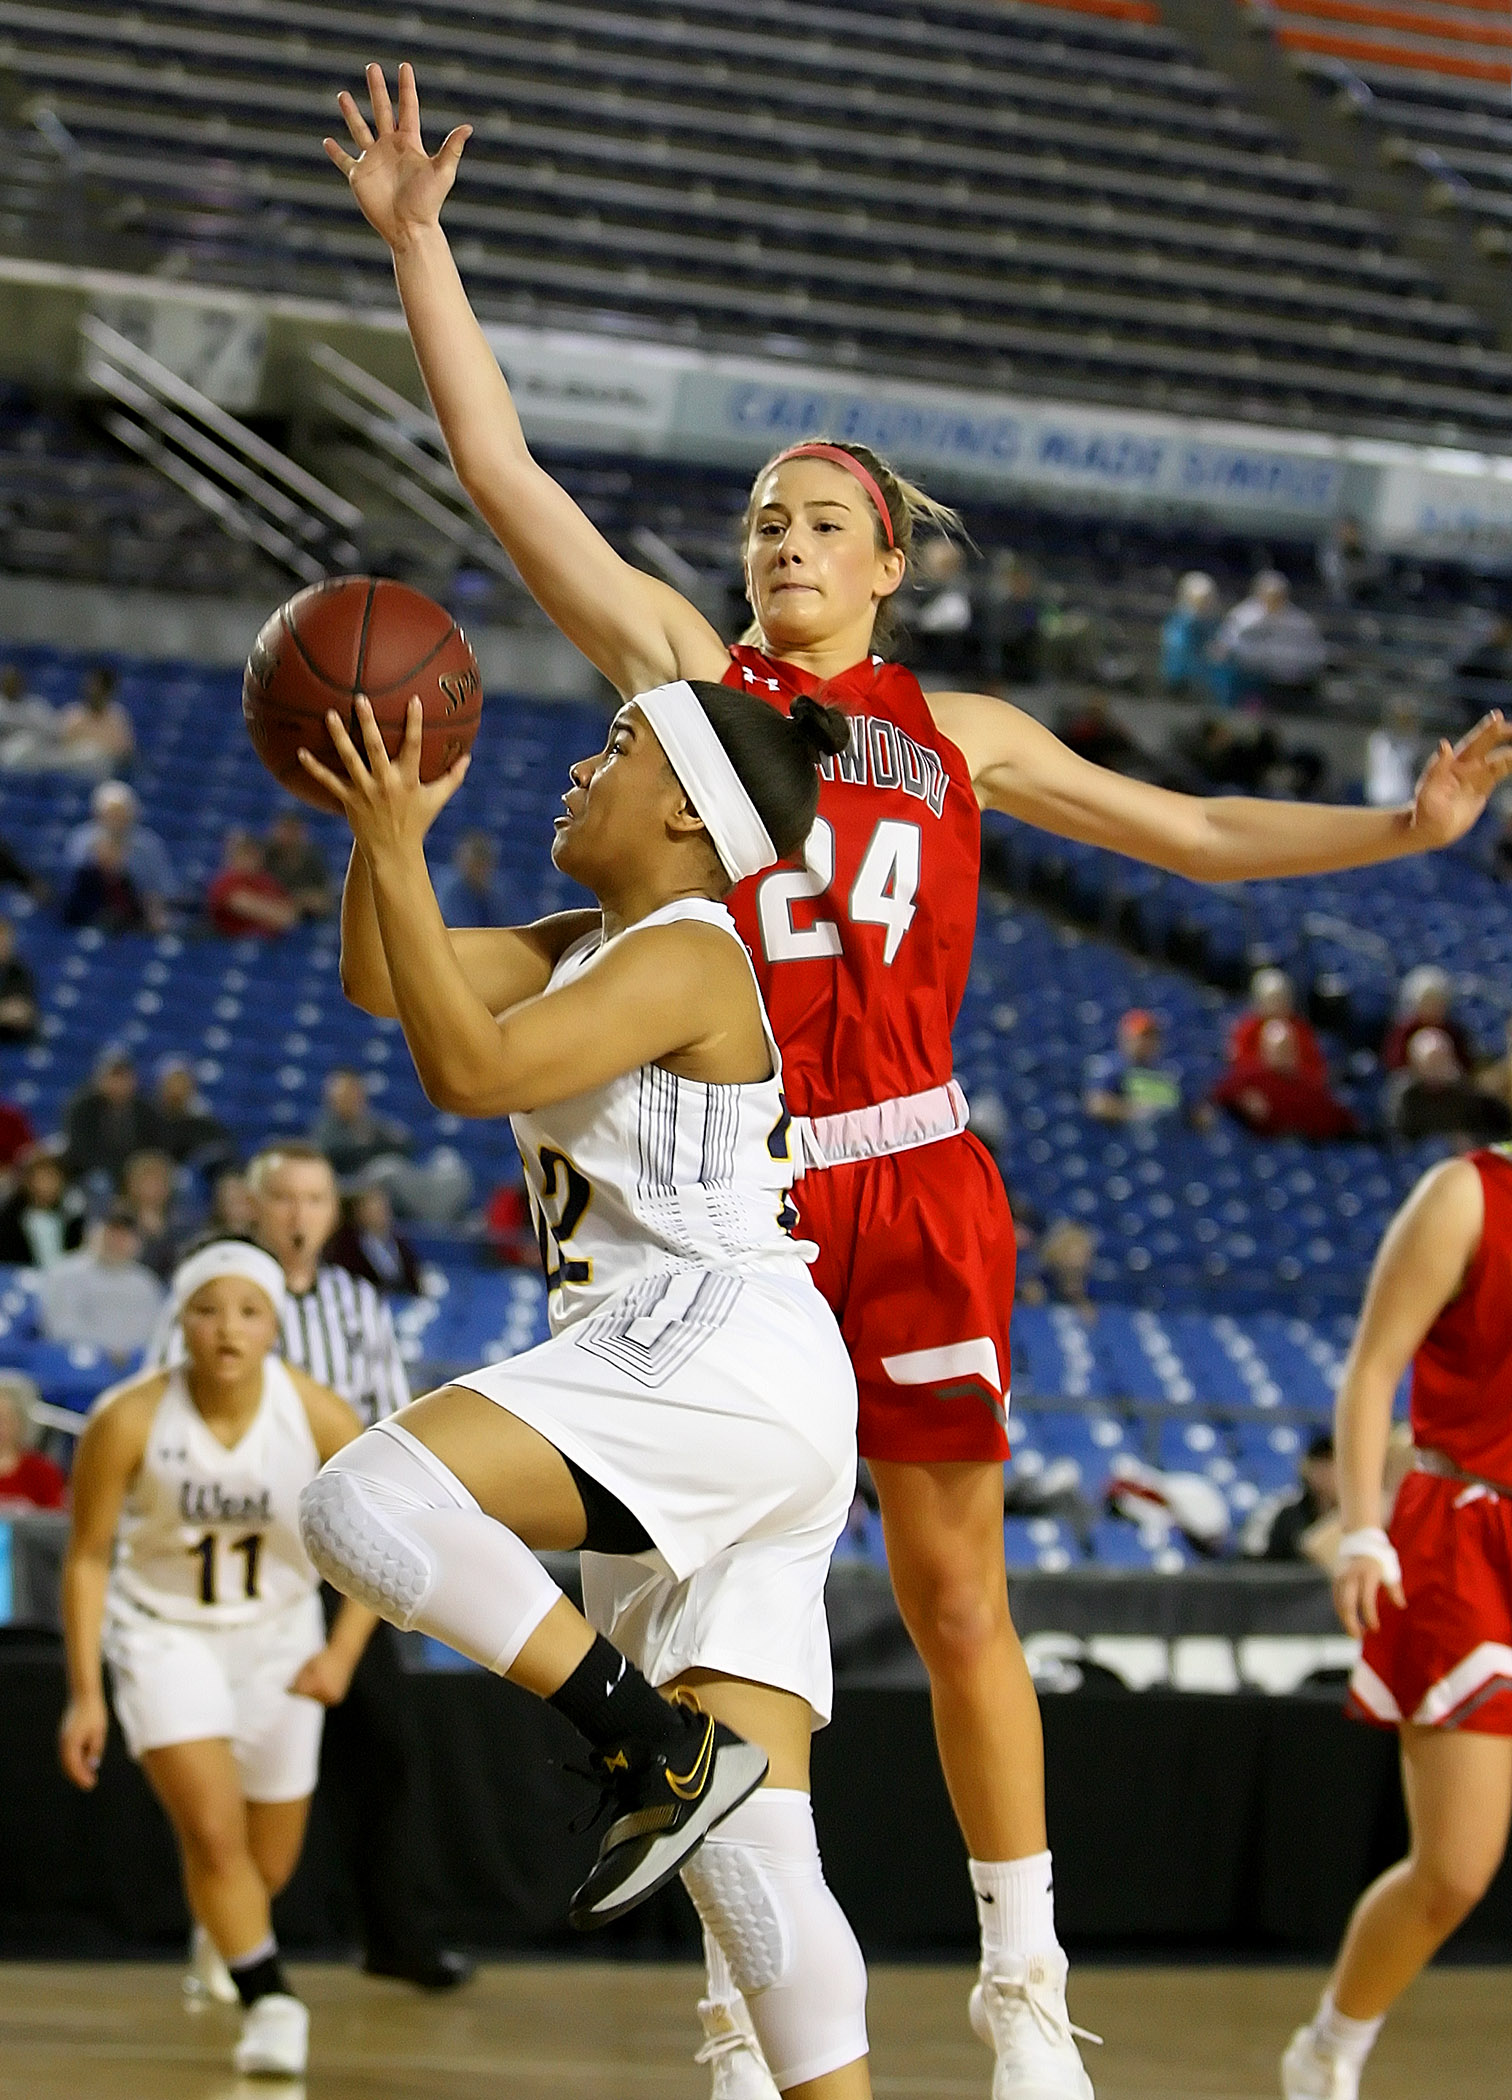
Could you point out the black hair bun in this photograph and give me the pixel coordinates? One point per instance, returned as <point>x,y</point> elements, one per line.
<point>825,730</point>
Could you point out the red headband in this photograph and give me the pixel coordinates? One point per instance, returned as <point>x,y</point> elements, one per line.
<point>839,457</point>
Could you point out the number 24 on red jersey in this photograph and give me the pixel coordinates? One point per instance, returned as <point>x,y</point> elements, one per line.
<point>883,893</point>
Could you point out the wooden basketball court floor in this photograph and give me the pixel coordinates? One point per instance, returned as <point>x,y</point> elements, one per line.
<point>578,2031</point>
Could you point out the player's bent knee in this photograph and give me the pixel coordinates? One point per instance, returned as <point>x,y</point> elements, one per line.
<point>349,1536</point>
<point>760,1891</point>
<point>1449,1894</point>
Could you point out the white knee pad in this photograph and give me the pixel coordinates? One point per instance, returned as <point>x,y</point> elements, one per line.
<point>391,1526</point>
<point>760,1891</point>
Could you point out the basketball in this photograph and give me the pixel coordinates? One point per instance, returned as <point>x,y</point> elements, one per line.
<point>356,635</point>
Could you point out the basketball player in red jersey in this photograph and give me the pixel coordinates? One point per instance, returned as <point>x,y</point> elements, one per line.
<point>862,956</point>
<point>1433,1597</point>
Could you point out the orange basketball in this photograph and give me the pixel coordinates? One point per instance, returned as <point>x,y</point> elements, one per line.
<point>351,635</point>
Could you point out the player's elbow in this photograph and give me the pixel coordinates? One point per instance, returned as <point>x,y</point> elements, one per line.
<point>367,991</point>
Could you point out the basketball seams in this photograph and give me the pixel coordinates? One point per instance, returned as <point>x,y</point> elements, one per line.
<point>362,636</point>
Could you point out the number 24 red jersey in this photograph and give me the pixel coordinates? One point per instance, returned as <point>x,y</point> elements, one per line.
<point>862,953</point>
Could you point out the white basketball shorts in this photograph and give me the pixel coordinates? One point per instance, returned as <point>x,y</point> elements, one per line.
<point>721,1410</point>
<point>178,1683</point>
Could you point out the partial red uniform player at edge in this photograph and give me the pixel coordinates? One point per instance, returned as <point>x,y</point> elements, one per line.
<point>1446,1661</point>
<point>917,1250</point>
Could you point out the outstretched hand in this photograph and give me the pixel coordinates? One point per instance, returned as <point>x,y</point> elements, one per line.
<point>1458,781</point>
<point>400,187</point>
<point>389,807</point>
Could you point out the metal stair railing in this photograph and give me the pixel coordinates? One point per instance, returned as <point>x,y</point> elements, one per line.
<point>253,491</point>
<point>413,469</point>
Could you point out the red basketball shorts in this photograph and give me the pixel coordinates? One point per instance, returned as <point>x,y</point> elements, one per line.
<point>1446,1661</point>
<point>916,1259</point>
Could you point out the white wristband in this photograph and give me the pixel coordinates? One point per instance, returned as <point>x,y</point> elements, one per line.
<point>1370,1544</point>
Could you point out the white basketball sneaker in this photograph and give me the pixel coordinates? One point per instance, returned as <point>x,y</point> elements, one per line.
<point>1310,2070</point>
<point>207,1980</point>
<point>1020,2013</point>
<point>275,2038</point>
<point>730,2045</point>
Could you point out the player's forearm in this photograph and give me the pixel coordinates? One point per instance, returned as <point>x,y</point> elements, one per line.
<point>1362,1429</point>
<point>452,1037</point>
<point>84,1582</point>
<point>351,1630</point>
<point>468,391</point>
<point>1243,840</point>
<point>364,967</point>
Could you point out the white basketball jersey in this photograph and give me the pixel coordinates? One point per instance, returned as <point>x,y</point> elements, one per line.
<point>210,1535</point>
<point>653,1174</point>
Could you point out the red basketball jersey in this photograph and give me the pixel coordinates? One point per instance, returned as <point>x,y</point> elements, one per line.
<point>1462,1374</point>
<point>863,953</point>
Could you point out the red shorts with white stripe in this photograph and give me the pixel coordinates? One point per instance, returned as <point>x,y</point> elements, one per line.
<point>1446,1661</point>
<point>916,1259</point>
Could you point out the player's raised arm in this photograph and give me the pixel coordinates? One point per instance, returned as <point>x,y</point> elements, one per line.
<point>1020,768</point>
<point>502,964</point>
<point>636,629</point>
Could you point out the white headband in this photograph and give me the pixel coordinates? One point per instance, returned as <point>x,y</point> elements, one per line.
<point>227,1258</point>
<point>713,786</point>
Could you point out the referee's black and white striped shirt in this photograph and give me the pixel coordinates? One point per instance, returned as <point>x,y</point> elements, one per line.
<point>340,1331</point>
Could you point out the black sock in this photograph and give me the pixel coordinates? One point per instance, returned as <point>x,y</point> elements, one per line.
<point>260,1975</point>
<point>608,1700</point>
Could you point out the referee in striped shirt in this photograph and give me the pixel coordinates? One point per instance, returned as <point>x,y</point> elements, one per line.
<point>336,1327</point>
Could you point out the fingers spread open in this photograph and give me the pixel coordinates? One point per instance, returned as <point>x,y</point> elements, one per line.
<point>372,738</point>
<point>409,103</point>
<point>356,122</point>
<point>341,789</point>
<point>383,109</point>
<point>343,159</point>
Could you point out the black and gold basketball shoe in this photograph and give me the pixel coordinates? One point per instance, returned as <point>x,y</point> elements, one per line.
<point>664,1806</point>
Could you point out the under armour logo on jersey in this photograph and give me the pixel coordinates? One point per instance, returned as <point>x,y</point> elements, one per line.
<point>773,685</point>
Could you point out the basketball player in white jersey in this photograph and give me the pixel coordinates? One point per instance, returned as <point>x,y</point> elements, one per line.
<point>692,1419</point>
<point>186,1572</point>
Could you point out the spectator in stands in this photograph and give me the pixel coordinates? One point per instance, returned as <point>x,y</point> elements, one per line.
<point>149,1196</point>
<point>1351,572</point>
<point>1483,673</point>
<point>28,726</point>
<point>1393,757</point>
<point>366,1243</point>
<point>362,1144</point>
<point>27,1479</point>
<point>103,1296</point>
<point>1271,649</point>
<point>1270,1092</point>
<point>233,1207</point>
<point>1496,1079</point>
<point>243,899</point>
<point>106,1121</point>
<point>1131,1085</point>
<point>1431,1096</point>
<point>101,893</point>
<point>95,735</point>
<point>19,1016</point>
<point>17,1137</point>
<point>14,874</point>
<point>943,618</point>
<point>183,1126</point>
<point>1282,1527</point>
<point>510,1227</point>
<point>1273,998</point>
<point>1058,1268</point>
<point>1011,620</point>
<point>468,891</point>
<point>138,852</point>
<point>43,1218</point>
<point>297,864</point>
<point>1091,729</point>
<point>1424,1000</point>
<point>1186,639</point>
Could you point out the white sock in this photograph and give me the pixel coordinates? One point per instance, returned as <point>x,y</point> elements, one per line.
<point>1352,2040</point>
<point>1015,1900</point>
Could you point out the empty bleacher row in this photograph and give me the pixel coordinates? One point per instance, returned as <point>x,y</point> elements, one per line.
<point>1053,199</point>
<point>1432,82</point>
